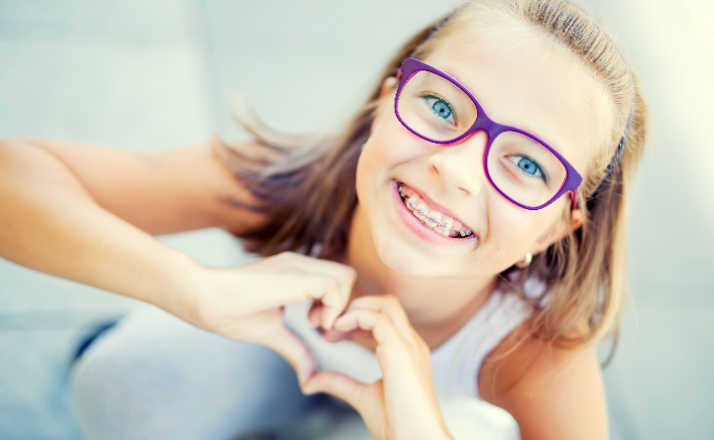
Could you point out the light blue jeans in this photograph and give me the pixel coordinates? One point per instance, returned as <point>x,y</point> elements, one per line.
<point>154,376</point>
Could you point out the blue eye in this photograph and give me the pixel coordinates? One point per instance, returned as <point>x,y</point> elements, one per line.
<point>528,166</point>
<point>440,107</point>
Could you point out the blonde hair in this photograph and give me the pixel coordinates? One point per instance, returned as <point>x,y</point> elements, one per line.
<point>306,186</point>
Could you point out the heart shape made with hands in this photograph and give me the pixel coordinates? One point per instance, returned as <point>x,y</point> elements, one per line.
<point>390,371</point>
<point>312,349</point>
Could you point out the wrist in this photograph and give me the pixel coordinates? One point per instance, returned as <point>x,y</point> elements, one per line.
<point>182,298</point>
<point>447,435</point>
<point>431,427</point>
<point>437,427</point>
<point>441,432</point>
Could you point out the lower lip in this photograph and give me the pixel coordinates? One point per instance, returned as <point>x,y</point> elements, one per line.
<point>420,229</point>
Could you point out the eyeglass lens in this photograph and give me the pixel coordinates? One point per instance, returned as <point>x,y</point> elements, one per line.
<point>519,166</point>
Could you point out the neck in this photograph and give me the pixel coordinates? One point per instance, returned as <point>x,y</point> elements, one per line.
<point>436,307</point>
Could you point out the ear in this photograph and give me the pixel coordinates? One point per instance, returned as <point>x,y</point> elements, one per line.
<point>387,85</point>
<point>558,230</point>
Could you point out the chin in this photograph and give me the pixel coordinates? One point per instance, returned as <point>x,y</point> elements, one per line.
<point>406,261</point>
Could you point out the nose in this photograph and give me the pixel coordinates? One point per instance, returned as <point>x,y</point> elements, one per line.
<point>461,165</point>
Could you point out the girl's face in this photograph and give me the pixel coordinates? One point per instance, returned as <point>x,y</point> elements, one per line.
<point>521,78</point>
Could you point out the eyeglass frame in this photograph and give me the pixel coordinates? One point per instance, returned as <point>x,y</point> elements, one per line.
<point>492,129</point>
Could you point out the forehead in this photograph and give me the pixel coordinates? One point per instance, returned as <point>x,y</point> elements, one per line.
<point>523,78</point>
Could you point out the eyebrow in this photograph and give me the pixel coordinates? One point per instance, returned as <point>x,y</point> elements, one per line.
<point>456,77</point>
<point>558,142</point>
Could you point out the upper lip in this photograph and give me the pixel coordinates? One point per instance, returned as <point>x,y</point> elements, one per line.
<point>438,206</point>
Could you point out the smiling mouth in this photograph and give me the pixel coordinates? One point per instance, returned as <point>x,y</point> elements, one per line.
<point>436,222</point>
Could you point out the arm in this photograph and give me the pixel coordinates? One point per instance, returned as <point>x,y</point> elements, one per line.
<point>86,214</point>
<point>158,192</point>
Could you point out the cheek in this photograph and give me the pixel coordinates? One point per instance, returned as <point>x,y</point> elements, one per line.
<point>516,231</point>
<point>512,231</point>
<point>388,146</point>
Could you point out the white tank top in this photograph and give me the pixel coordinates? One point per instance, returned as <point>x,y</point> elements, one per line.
<point>454,364</point>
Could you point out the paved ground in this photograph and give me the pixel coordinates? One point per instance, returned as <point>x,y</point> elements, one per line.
<point>157,75</point>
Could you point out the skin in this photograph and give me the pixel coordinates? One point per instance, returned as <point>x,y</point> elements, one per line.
<point>541,387</point>
<point>501,75</point>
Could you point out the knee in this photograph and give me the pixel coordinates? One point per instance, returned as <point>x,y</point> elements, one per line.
<point>156,377</point>
<point>99,394</point>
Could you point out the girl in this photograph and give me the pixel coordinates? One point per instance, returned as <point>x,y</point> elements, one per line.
<point>462,237</point>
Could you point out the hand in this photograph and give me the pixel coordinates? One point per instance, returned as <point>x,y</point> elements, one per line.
<point>246,303</point>
<point>402,404</point>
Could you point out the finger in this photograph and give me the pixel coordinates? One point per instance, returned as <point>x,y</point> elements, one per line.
<point>337,336</point>
<point>316,313</point>
<point>295,352</point>
<point>366,399</point>
<point>406,373</point>
<point>334,300</point>
<point>331,334</point>
<point>290,285</point>
<point>298,286</point>
<point>391,307</point>
<point>347,389</point>
<point>313,315</point>
<point>382,328</point>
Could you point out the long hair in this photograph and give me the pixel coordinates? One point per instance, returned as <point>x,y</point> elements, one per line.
<point>306,185</point>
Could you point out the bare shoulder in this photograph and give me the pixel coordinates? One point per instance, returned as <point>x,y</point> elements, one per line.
<point>544,386</point>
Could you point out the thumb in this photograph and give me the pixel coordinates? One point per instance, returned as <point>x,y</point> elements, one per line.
<point>366,399</point>
<point>294,351</point>
<point>338,385</point>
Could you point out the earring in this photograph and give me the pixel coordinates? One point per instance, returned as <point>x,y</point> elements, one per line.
<point>522,264</point>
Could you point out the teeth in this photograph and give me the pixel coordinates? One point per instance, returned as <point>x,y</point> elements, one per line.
<point>434,219</point>
<point>411,203</point>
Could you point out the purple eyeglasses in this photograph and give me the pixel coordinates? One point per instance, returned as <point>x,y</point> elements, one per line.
<point>520,166</point>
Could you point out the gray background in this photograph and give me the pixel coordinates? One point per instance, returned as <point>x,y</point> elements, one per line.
<point>161,74</point>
